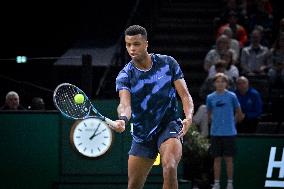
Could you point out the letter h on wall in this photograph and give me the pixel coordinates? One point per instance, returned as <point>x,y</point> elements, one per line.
<point>275,164</point>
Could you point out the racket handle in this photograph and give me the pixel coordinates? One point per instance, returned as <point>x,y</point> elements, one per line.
<point>111,123</point>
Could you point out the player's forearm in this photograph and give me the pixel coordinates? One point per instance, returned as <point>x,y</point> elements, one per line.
<point>188,106</point>
<point>185,97</point>
<point>124,110</point>
<point>124,107</point>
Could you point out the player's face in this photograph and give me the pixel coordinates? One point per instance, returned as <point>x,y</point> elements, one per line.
<point>220,84</point>
<point>136,46</point>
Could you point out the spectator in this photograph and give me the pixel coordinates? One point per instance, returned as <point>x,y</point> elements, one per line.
<point>266,36</point>
<point>37,104</point>
<point>208,85</point>
<point>255,59</point>
<point>276,72</point>
<point>223,111</point>
<point>239,32</point>
<point>225,66</point>
<point>234,44</point>
<point>251,104</point>
<point>12,102</point>
<point>200,118</point>
<point>222,46</point>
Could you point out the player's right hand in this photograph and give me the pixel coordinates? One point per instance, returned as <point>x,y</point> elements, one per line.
<point>185,126</point>
<point>120,126</point>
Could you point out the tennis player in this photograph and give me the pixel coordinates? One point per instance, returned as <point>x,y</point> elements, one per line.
<point>147,88</point>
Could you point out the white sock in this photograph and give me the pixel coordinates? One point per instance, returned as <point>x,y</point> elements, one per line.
<point>230,181</point>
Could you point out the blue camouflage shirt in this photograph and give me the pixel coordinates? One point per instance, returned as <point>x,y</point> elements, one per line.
<point>153,95</point>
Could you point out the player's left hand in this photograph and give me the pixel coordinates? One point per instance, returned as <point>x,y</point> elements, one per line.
<point>185,126</point>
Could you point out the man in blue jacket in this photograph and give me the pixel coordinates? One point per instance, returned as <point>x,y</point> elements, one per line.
<point>251,104</point>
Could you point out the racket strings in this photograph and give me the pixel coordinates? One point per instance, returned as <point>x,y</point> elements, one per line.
<point>65,102</point>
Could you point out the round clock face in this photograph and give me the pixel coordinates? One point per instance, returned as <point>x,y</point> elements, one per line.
<point>91,137</point>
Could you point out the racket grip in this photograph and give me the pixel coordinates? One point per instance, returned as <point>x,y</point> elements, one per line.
<point>111,123</point>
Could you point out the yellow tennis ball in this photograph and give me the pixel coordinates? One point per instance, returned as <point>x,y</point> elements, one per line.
<point>79,98</point>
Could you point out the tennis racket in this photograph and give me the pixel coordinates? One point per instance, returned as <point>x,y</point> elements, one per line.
<point>63,98</point>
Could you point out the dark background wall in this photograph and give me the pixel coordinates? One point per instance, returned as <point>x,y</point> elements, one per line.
<point>47,28</point>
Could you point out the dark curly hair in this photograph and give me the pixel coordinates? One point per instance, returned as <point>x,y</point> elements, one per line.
<point>136,30</point>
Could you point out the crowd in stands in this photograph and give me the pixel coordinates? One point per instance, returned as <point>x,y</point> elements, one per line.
<point>12,103</point>
<point>246,51</point>
<point>251,55</point>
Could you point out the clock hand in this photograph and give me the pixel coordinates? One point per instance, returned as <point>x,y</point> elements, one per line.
<point>95,135</point>
<point>100,132</point>
<point>95,132</point>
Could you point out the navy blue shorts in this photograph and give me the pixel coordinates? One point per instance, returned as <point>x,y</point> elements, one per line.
<point>150,148</point>
<point>223,146</point>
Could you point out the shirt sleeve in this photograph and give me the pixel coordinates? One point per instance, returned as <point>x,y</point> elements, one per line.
<point>122,81</point>
<point>176,70</point>
<point>208,104</point>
